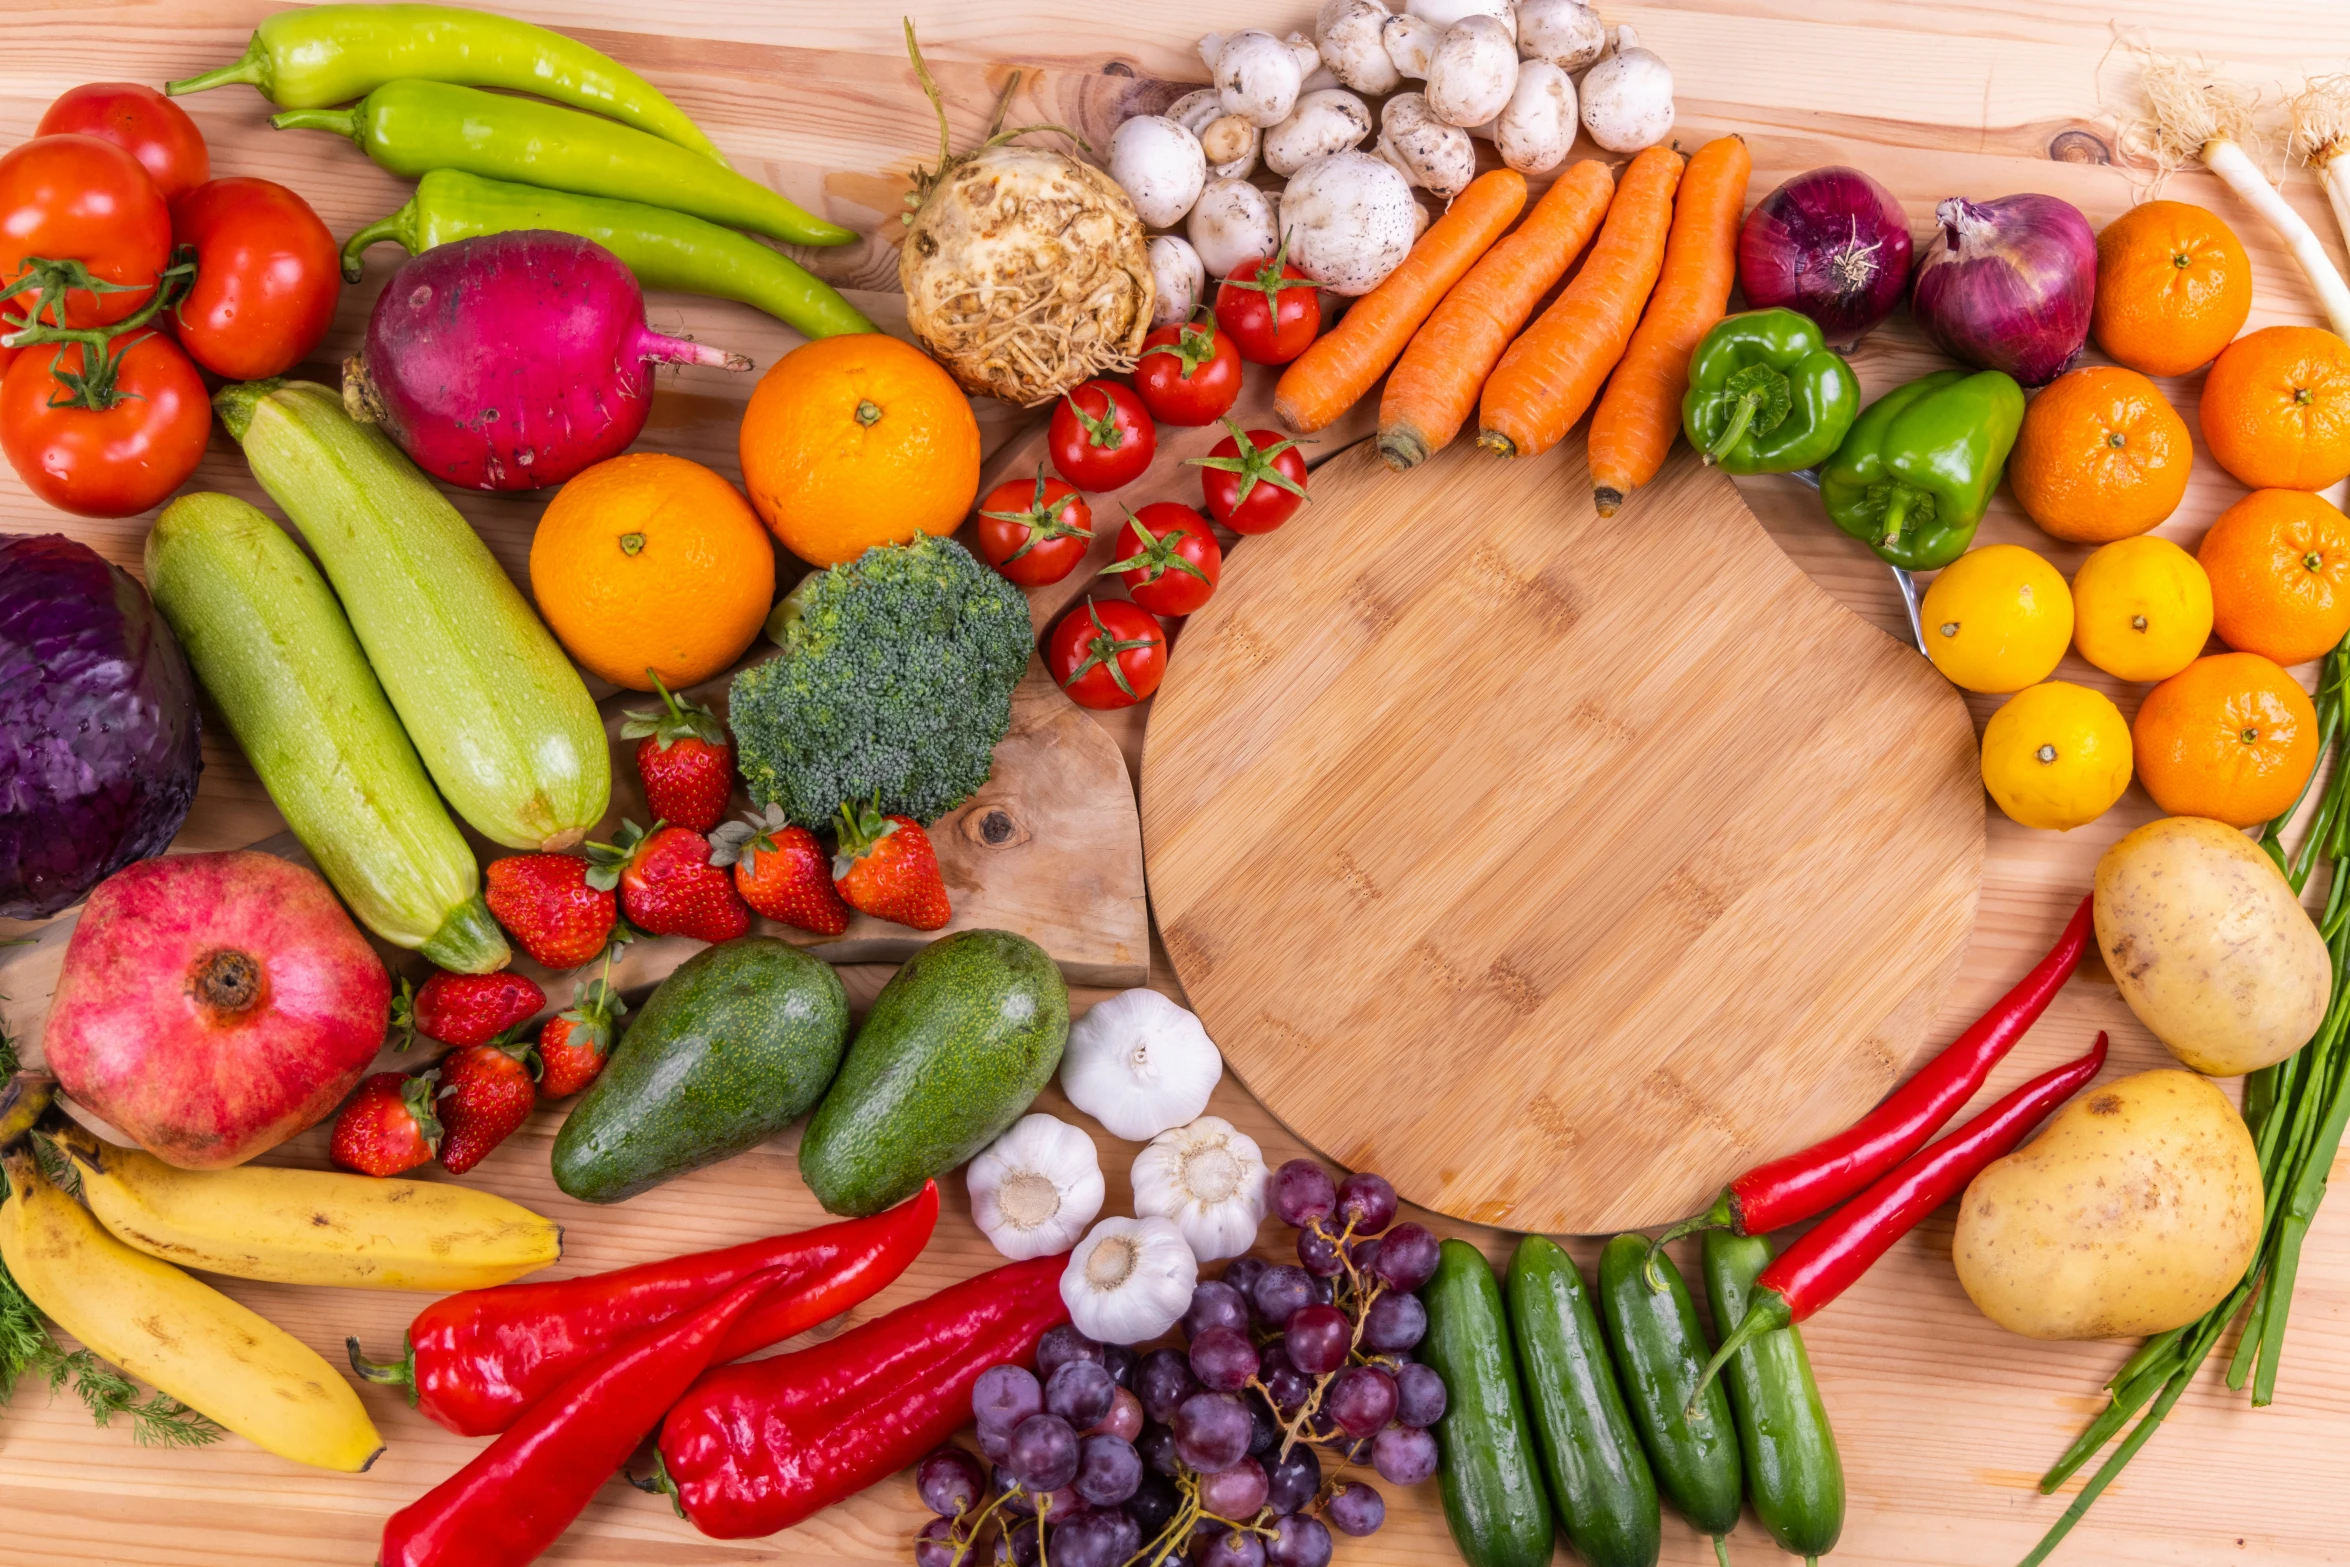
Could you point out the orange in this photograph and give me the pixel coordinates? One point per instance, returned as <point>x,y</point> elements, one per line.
<point>855,441</point>
<point>2276,408</point>
<point>651,561</point>
<point>2279,563</point>
<point>2173,286</point>
<point>2231,737</point>
<point>2100,457</point>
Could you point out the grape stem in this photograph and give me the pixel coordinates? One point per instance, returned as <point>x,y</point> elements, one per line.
<point>1359,1298</point>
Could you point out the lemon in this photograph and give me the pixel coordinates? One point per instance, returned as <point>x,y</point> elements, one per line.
<point>2141,609</point>
<point>1997,619</point>
<point>2056,755</point>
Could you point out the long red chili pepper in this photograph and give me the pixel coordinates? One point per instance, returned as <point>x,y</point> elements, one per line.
<point>1834,1253</point>
<point>476,1360</point>
<point>517,1495</point>
<point>1789,1190</point>
<point>758,1447</point>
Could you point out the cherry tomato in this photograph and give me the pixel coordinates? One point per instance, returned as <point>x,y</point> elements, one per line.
<point>111,462</point>
<point>1189,373</point>
<point>1037,534</point>
<point>1107,653</point>
<point>76,198</point>
<point>143,123</point>
<point>1101,436</point>
<point>1254,480</point>
<point>267,278</point>
<point>1169,558</point>
<point>1272,310</point>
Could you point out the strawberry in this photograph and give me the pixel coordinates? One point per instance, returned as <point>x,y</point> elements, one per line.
<point>886,866</point>
<point>547,906</point>
<point>486,1092</point>
<point>575,1043</point>
<point>782,871</point>
<point>468,1009</point>
<point>388,1126</point>
<point>685,759</point>
<point>668,887</point>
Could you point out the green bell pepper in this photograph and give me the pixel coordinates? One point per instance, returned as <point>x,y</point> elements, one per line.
<point>1766,395</point>
<point>1913,477</point>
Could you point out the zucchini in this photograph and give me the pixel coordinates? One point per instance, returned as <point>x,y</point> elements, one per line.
<point>1660,1351</point>
<point>1599,1477</point>
<point>272,648</point>
<point>496,711</point>
<point>1493,1495</point>
<point>1793,1475</point>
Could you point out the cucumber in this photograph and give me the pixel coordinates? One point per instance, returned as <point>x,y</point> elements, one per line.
<point>956,1048</point>
<point>271,645</point>
<point>1492,1486</point>
<point>1793,1475</point>
<point>1660,1351</point>
<point>728,1051</point>
<point>1599,1477</point>
<point>498,714</point>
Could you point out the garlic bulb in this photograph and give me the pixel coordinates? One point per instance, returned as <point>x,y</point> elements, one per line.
<point>1139,1064</point>
<point>1036,1188</point>
<point>1209,1180</point>
<point>1129,1281</point>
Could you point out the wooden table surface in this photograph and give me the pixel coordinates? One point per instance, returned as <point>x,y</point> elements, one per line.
<point>1944,1420</point>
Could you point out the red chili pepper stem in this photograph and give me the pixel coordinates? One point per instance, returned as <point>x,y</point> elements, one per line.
<point>399,1373</point>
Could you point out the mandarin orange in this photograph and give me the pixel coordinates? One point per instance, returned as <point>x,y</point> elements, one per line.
<point>2173,288</point>
<point>2231,737</point>
<point>2276,408</point>
<point>2279,563</point>
<point>2101,456</point>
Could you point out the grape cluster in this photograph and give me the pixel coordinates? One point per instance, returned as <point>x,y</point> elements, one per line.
<point>1212,1455</point>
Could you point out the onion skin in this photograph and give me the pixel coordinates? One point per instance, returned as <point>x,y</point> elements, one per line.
<point>2008,284</point>
<point>1831,243</point>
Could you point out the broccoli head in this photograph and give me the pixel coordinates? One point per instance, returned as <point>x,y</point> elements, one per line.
<point>895,680</point>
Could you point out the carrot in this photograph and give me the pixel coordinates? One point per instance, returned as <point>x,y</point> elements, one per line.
<point>1640,413</point>
<point>1435,384</point>
<point>1332,375</point>
<point>1547,379</point>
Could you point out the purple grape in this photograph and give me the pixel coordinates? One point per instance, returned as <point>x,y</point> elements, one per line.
<point>1119,1361</point>
<point>1157,1447</point>
<point>1363,1252</point>
<point>1093,1540</point>
<point>1215,1304</point>
<point>1298,1541</point>
<point>1403,1455</point>
<point>1419,1396</point>
<point>1223,1359</point>
<point>1361,1400</point>
<point>1355,1509</point>
<point>1043,1454</point>
<point>1318,1339</point>
<point>1234,1548</point>
<point>993,1444</point>
<point>1407,1257</point>
<point>1080,1392</point>
<point>1108,1470</point>
<point>1236,1492</point>
<point>1263,1430</point>
<point>1302,1193</point>
<point>1211,1431</point>
<point>1280,1290</point>
<point>1286,1386</point>
<point>1325,1289</point>
<point>1124,1419</point>
<point>1320,1254</point>
<point>1366,1202</point>
<point>1290,1482</point>
<point>1016,1546</point>
<point>1063,1344</point>
<point>937,1545</point>
<point>1241,1273</point>
<point>1153,1504</point>
<point>1004,1396</point>
<point>1394,1322</point>
<point>950,1482</point>
<point>1164,1380</point>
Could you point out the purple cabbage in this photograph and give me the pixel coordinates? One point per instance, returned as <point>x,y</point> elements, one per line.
<point>98,725</point>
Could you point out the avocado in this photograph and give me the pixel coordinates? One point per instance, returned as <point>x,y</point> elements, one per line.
<point>959,1043</point>
<point>728,1051</point>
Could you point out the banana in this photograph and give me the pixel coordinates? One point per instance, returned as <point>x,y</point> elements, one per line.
<point>312,1226</point>
<point>186,1338</point>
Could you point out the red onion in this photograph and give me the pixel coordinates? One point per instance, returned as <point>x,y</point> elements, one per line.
<point>1831,243</point>
<point>2007,284</point>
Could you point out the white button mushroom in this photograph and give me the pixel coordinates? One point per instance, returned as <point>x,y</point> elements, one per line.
<point>1445,13</point>
<point>1473,71</point>
<point>1431,154</point>
<point>1411,42</point>
<point>1534,131</point>
<point>1308,55</point>
<point>1567,33</point>
<point>1348,221</point>
<point>1349,35</point>
<point>1228,141</point>
<point>1258,75</point>
<point>1160,166</point>
<point>1231,223</point>
<point>1177,278</point>
<point>1628,97</point>
<point>1322,123</point>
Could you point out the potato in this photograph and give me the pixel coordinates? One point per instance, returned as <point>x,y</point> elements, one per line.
<point>2136,1211</point>
<point>2209,945</point>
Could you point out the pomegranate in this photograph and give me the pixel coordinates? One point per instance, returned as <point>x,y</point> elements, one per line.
<point>213,1005</point>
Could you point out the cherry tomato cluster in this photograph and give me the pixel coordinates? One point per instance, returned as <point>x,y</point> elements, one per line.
<point>124,267</point>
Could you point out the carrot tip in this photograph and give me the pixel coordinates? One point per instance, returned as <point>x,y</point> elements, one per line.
<point>1401,449</point>
<point>1606,498</point>
<point>1495,441</point>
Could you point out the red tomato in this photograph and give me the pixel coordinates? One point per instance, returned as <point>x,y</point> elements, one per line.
<point>1189,373</point>
<point>76,198</point>
<point>113,462</point>
<point>143,123</point>
<point>1107,653</point>
<point>1271,309</point>
<point>267,278</point>
<point>1101,437</point>
<point>1254,481</point>
<point>1034,535</point>
<point>1169,557</point>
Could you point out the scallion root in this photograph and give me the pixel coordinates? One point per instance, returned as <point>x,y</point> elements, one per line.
<point>2319,116</point>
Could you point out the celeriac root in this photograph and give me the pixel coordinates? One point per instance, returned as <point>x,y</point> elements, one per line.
<point>2319,115</point>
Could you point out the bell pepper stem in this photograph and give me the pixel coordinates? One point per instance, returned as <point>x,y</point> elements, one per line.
<point>1723,1215</point>
<point>399,1373</point>
<point>1722,1550</point>
<point>1735,431</point>
<point>252,67</point>
<point>1767,1312</point>
<point>1896,512</point>
<point>342,122</point>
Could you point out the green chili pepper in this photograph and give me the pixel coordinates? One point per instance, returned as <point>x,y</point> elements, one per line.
<point>664,249</point>
<point>1766,395</point>
<point>313,56</point>
<point>1918,467</point>
<point>412,128</point>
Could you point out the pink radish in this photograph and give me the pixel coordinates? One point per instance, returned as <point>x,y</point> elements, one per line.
<point>512,361</point>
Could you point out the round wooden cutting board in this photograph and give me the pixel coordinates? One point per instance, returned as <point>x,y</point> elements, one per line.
<point>1555,867</point>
